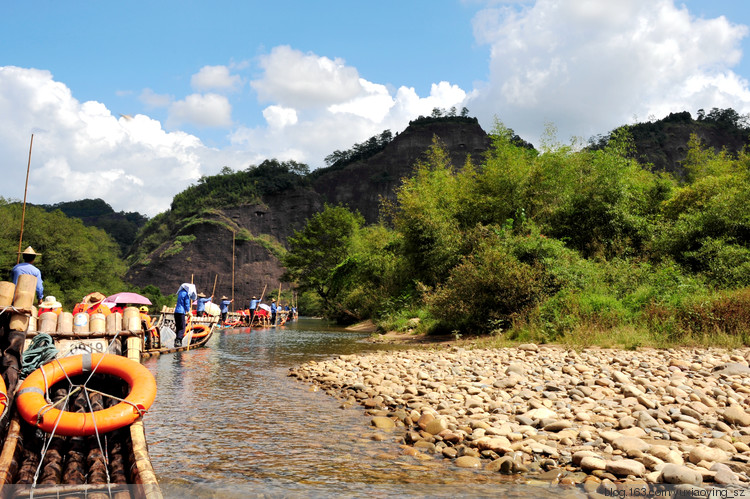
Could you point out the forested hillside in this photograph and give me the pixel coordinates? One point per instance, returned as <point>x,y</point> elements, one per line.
<point>443,227</point>
<point>662,145</point>
<point>121,226</point>
<point>76,259</point>
<point>546,246</point>
<point>253,212</point>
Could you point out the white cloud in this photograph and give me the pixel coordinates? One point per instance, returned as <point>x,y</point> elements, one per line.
<point>374,103</point>
<point>215,78</point>
<point>207,110</point>
<point>579,65</point>
<point>294,79</point>
<point>321,105</point>
<point>589,66</point>
<point>81,151</point>
<point>279,117</point>
<point>311,136</point>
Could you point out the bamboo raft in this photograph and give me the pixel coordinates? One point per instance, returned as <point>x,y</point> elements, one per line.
<point>34,463</point>
<point>166,320</point>
<point>260,320</point>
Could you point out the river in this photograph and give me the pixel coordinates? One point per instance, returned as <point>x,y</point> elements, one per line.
<point>229,422</point>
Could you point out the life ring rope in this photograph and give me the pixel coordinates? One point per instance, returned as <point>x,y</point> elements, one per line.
<point>36,408</point>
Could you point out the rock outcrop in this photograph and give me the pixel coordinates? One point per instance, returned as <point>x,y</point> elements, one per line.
<point>362,185</point>
<point>203,248</point>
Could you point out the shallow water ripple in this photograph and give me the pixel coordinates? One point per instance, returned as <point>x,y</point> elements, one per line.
<point>229,422</point>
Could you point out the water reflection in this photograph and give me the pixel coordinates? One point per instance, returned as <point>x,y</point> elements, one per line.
<point>228,421</point>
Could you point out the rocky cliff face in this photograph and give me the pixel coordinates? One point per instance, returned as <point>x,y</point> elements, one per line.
<point>363,184</point>
<point>253,234</point>
<point>262,230</point>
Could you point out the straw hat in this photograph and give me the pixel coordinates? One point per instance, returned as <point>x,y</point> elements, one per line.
<point>201,295</point>
<point>30,251</point>
<point>144,309</point>
<point>50,302</point>
<point>94,298</point>
<point>224,297</point>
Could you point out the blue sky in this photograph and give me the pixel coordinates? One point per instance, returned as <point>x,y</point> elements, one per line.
<point>134,101</point>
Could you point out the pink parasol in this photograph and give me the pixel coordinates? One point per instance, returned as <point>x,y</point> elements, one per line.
<point>126,297</point>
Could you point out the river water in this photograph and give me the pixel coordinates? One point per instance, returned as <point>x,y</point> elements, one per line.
<point>229,422</point>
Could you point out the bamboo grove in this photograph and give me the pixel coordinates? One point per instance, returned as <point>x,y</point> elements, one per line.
<point>565,244</point>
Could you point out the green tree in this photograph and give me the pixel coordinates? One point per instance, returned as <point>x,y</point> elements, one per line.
<point>426,215</point>
<point>76,260</point>
<point>319,255</point>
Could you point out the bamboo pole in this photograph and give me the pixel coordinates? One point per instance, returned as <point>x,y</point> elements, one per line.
<point>23,210</point>
<point>9,448</point>
<point>233,234</point>
<point>278,306</point>
<point>259,302</point>
<point>146,474</point>
<point>215,279</point>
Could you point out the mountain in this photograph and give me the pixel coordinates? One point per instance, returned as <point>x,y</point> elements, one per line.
<point>122,227</point>
<point>362,184</point>
<point>276,199</point>
<point>198,245</point>
<point>662,145</point>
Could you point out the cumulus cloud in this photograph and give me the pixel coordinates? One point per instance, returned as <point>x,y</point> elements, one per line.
<point>81,150</point>
<point>215,78</point>
<point>311,136</point>
<point>582,65</point>
<point>588,66</point>
<point>294,79</point>
<point>374,102</point>
<point>279,116</point>
<point>203,110</point>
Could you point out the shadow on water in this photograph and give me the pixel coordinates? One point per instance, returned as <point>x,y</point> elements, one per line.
<point>229,422</point>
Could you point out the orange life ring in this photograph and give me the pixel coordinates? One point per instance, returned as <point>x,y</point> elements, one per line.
<point>203,330</point>
<point>34,409</point>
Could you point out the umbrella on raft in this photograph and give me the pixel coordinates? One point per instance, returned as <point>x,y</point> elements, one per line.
<point>126,297</point>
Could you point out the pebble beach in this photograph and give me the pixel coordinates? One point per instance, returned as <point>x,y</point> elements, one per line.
<point>605,422</point>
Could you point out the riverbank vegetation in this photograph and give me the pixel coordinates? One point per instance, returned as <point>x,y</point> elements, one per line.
<point>202,203</point>
<point>77,258</point>
<point>561,245</point>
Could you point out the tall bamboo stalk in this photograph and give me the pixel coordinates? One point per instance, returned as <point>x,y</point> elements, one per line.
<point>23,210</point>
<point>233,235</point>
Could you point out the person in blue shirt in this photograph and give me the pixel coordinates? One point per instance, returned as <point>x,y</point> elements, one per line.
<point>224,308</point>
<point>273,311</point>
<point>185,296</point>
<point>253,307</point>
<point>201,307</point>
<point>27,267</point>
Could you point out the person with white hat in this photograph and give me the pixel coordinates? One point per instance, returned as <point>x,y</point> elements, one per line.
<point>27,267</point>
<point>50,304</point>
<point>185,296</point>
